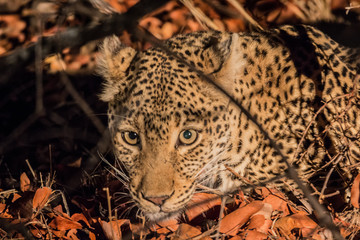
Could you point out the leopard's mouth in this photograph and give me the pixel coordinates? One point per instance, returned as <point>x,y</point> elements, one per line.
<point>169,209</point>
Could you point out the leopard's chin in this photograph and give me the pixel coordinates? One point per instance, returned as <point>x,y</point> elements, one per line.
<point>162,216</point>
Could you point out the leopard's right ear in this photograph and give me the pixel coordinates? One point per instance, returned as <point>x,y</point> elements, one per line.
<point>112,64</point>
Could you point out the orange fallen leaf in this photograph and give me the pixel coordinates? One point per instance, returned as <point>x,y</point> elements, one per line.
<point>261,220</point>
<point>41,233</point>
<point>201,202</point>
<point>112,229</point>
<point>170,225</point>
<point>80,217</point>
<point>297,220</point>
<point>278,204</point>
<point>2,207</point>
<point>253,235</point>
<point>234,25</point>
<point>168,30</point>
<point>13,27</point>
<point>256,222</point>
<point>24,182</point>
<point>4,213</point>
<point>178,16</point>
<point>41,197</point>
<point>355,192</point>
<point>139,229</point>
<point>62,223</point>
<point>237,237</point>
<point>58,209</point>
<point>92,236</point>
<point>16,197</point>
<point>71,234</point>
<point>56,233</point>
<point>185,231</point>
<point>231,223</point>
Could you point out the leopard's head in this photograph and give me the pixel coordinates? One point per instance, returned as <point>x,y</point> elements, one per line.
<point>170,128</point>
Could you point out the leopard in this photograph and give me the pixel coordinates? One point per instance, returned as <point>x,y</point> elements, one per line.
<point>204,109</point>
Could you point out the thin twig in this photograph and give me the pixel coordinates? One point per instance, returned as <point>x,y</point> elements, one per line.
<point>221,215</point>
<point>200,16</point>
<point>31,169</point>
<point>321,197</point>
<point>242,11</point>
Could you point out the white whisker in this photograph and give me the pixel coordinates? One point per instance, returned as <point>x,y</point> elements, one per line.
<point>118,171</point>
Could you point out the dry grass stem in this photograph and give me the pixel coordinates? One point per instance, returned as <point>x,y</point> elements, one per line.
<point>200,16</point>
<point>31,169</point>
<point>243,13</point>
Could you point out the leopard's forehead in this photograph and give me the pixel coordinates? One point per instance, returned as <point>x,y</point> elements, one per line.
<point>162,85</point>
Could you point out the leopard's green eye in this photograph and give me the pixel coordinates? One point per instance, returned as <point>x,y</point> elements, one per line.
<point>188,137</point>
<point>130,137</point>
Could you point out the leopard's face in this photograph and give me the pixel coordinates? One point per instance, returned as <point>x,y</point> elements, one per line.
<point>170,133</point>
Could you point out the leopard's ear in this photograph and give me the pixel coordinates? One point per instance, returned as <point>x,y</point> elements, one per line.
<point>214,51</point>
<point>113,63</point>
<point>226,59</point>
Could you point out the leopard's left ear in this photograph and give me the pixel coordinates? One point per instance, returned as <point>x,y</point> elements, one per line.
<point>215,52</point>
<point>113,63</point>
<point>227,60</point>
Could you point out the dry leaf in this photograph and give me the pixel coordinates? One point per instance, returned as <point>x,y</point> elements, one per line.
<point>3,213</point>
<point>92,236</point>
<point>185,231</point>
<point>16,197</point>
<point>62,223</point>
<point>58,209</point>
<point>77,163</point>
<point>153,25</point>
<point>72,234</point>
<point>278,204</point>
<point>13,27</point>
<point>201,202</point>
<point>178,16</point>
<point>166,226</point>
<point>80,217</point>
<point>112,229</point>
<point>231,223</point>
<point>2,207</point>
<point>56,63</point>
<point>193,25</point>
<point>237,237</point>
<point>234,25</point>
<point>253,235</point>
<point>355,192</point>
<point>298,220</point>
<point>168,30</point>
<point>39,233</point>
<point>256,222</point>
<point>23,206</point>
<point>139,229</point>
<point>41,197</point>
<point>24,182</point>
<point>47,8</point>
<point>261,220</point>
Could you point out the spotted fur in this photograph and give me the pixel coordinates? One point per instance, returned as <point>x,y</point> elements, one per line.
<point>299,84</point>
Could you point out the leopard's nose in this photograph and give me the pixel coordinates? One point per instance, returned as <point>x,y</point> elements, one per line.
<point>157,200</point>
